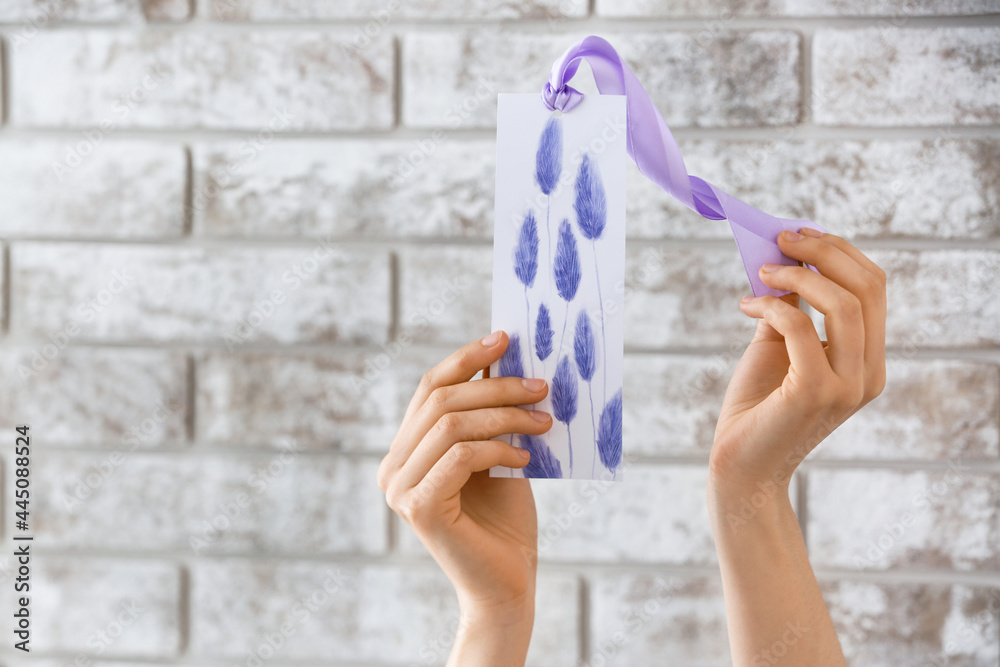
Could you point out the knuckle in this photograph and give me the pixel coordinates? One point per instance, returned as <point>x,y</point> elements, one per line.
<point>407,505</point>
<point>438,397</point>
<point>461,453</point>
<point>394,498</point>
<point>448,423</point>
<point>427,382</point>
<point>794,320</point>
<point>848,396</point>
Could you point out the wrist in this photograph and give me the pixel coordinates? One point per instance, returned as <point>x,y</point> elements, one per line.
<point>737,502</point>
<point>478,614</point>
<point>492,635</point>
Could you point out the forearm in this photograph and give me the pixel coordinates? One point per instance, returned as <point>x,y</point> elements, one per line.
<point>776,613</point>
<point>489,639</point>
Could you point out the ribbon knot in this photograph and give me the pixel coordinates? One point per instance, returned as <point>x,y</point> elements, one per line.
<point>564,99</point>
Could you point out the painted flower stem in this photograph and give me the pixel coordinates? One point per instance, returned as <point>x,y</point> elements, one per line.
<point>604,337</point>
<point>593,426</point>
<point>527,317</point>
<point>569,436</point>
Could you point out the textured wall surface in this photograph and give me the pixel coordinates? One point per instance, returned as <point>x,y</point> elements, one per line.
<point>234,233</point>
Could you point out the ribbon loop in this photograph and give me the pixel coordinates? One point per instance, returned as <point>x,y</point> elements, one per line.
<point>652,147</point>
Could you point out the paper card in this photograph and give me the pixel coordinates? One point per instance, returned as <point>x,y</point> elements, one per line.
<point>559,274</point>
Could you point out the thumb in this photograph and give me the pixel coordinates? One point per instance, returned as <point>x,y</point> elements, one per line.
<point>765,332</point>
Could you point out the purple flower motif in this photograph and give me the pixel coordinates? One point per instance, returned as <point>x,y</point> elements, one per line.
<point>584,347</point>
<point>585,351</point>
<point>510,362</point>
<point>567,267</point>
<point>564,400</point>
<point>543,333</point>
<point>564,392</point>
<point>609,433</point>
<point>548,159</point>
<point>590,204</point>
<point>526,252</point>
<point>543,463</point>
<point>591,208</point>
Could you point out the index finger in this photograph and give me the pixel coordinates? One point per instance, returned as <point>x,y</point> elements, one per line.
<point>460,366</point>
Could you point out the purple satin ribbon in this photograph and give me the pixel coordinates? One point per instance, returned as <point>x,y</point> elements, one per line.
<point>654,151</point>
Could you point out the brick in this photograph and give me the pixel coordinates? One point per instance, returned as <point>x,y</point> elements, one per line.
<point>264,81</point>
<point>77,396</point>
<point>437,187</point>
<point>230,295</point>
<point>915,624</point>
<point>430,187</point>
<point>642,619</point>
<point>672,402</point>
<point>887,519</point>
<point>940,188</point>
<point>283,502</point>
<point>760,84</point>
<point>342,401</point>
<point>445,294</point>
<point>383,15</point>
<point>657,514</point>
<point>940,298</point>
<point>75,600</point>
<point>36,14</point>
<point>120,189</point>
<point>685,298</point>
<point>723,11</point>
<point>880,76</point>
<point>925,412</point>
<point>417,602</point>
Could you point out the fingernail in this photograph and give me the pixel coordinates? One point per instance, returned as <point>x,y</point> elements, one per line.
<point>533,384</point>
<point>770,268</point>
<point>492,339</point>
<point>791,236</point>
<point>539,415</point>
<point>523,453</point>
<point>809,231</point>
<point>746,299</point>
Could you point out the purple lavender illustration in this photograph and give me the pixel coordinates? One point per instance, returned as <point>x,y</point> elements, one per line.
<point>591,208</point>
<point>564,400</point>
<point>585,351</point>
<point>526,267</point>
<point>548,168</point>
<point>609,434</point>
<point>510,362</point>
<point>567,271</point>
<point>543,463</point>
<point>543,333</point>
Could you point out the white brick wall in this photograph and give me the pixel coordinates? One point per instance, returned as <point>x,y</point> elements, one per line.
<point>234,233</point>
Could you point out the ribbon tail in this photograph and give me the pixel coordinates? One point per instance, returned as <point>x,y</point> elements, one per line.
<point>756,233</point>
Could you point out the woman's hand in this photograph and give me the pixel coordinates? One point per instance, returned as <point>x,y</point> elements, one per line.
<point>789,392</point>
<point>790,389</point>
<point>482,531</point>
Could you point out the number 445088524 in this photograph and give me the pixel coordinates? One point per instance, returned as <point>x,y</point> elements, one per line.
<point>21,474</point>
